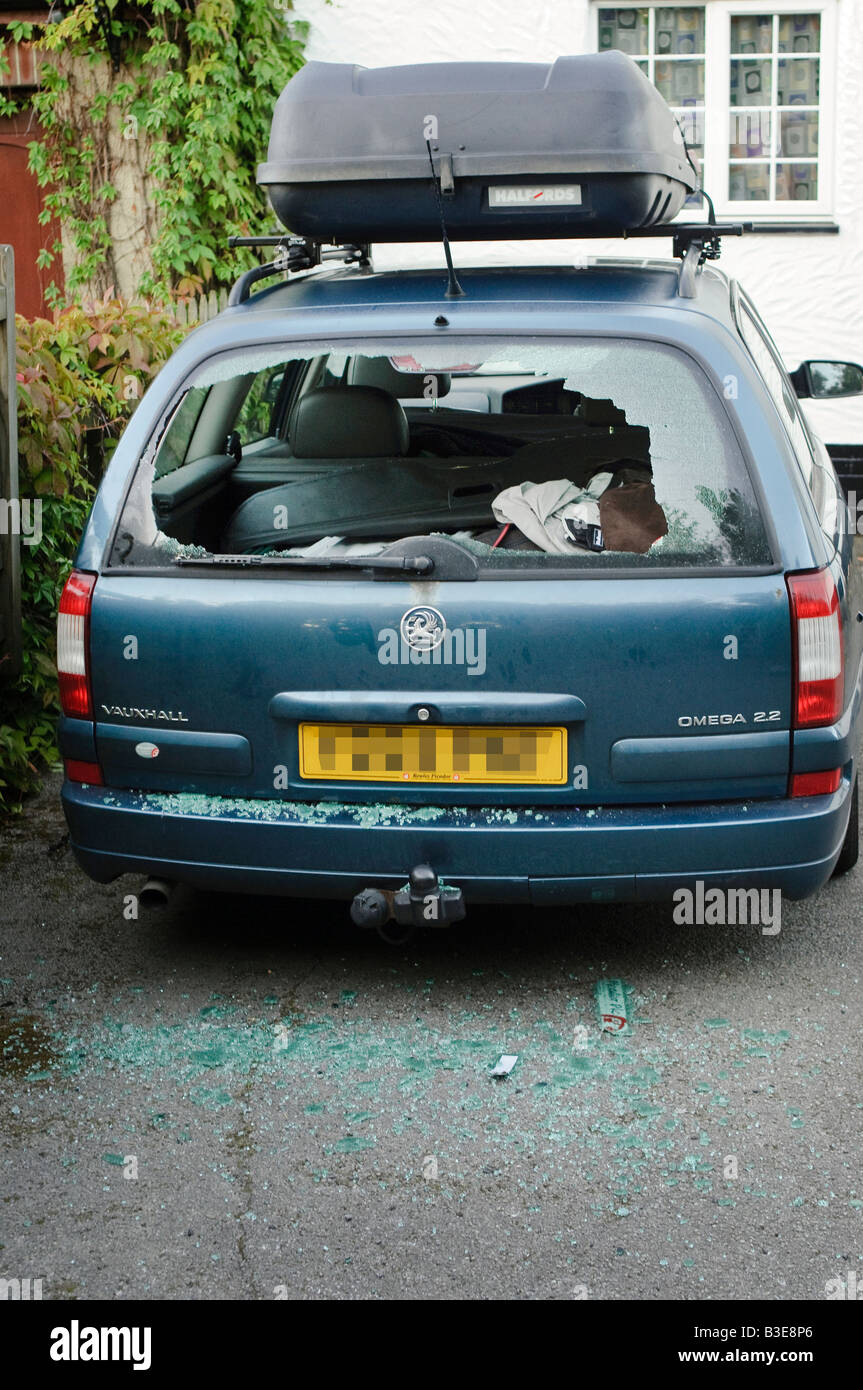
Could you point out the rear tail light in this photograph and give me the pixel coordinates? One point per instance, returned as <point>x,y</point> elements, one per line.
<point>818,675</point>
<point>815,783</point>
<point>73,645</point>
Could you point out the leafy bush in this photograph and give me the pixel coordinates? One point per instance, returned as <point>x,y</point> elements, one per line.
<point>190,88</point>
<point>79,379</point>
<point>182,90</point>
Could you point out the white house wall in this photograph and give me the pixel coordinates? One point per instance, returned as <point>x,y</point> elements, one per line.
<point>808,287</point>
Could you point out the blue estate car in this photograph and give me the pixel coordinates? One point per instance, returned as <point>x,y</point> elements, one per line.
<point>541,592</point>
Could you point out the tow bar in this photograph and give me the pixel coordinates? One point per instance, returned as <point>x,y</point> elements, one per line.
<point>423,902</point>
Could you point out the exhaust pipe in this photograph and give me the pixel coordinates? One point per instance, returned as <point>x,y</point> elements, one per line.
<point>156,892</point>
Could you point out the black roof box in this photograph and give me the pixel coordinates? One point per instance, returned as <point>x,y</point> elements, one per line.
<point>583,146</point>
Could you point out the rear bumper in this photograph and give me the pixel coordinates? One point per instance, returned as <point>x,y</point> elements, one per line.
<point>332,850</point>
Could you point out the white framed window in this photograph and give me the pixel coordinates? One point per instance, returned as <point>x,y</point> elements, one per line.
<point>753,85</point>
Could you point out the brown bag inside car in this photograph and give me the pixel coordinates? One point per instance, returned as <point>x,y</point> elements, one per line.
<point>631,517</point>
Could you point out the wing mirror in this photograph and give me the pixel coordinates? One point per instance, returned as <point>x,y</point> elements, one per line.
<point>828,380</point>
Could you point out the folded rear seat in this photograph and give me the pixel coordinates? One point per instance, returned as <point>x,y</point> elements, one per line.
<point>399,495</point>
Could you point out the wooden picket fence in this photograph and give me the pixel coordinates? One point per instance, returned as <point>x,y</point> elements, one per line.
<point>202,308</point>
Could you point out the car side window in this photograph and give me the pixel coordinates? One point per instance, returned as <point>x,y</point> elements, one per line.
<point>766,358</point>
<point>254,419</point>
<point>178,435</point>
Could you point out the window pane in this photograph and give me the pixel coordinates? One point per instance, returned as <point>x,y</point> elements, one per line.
<point>176,439</point>
<point>672,432</point>
<point>798,133</point>
<point>625,29</point>
<point>674,63</point>
<point>797,182</point>
<point>750,82</point>
<point>253,420</point>
<point>798,83</point>
<point>691,123</point>
<point>749,183</point>
<point>680,83</point>
<point>761,91</point>
<point>750,134</point>
<point>799,33</point>
<point>752,33</point>
<point>679,29</point>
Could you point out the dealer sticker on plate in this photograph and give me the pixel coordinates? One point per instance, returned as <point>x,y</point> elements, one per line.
<point>534,195</point>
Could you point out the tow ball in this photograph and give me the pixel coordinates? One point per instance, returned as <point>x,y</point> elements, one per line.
<point>423,902</point>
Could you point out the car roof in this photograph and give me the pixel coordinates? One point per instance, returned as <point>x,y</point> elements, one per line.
<point>618,281</point>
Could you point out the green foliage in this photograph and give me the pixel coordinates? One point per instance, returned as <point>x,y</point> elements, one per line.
<point>188,89</point>
<point>192,94</point>
<point>8,107</point>
<point>739,523</point>
<point>256,412</point>
<point>79,379</point>
<point>31,707</point>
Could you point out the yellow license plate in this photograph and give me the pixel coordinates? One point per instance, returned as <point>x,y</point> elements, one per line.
<point>432,753</point>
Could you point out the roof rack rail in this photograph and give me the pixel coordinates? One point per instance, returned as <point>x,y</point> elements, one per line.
<point>294,253</point>
<point>694,243</point>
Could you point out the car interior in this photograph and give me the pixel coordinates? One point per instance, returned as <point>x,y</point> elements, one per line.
<point>352,447</point>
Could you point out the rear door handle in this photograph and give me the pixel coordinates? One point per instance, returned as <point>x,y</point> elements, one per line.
<point>403,706</point>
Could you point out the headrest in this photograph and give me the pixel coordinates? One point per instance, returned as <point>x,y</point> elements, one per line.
<point>380,372</point>
<point>349,422</point>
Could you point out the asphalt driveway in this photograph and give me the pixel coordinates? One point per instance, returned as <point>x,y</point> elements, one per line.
<point>250,1098</point>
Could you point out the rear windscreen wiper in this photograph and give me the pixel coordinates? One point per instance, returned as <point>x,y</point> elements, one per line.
<point>413,564</point>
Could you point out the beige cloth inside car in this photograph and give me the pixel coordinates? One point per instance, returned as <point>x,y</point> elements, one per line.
<point>542,510</point>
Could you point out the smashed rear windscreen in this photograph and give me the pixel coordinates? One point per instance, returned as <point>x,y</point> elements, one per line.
<point>592,453</point>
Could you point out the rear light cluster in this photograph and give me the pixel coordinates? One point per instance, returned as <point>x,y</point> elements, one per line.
<point>818,667</point>
<point>73,653</point>
<point>73,645</point>
<point>819,676</point>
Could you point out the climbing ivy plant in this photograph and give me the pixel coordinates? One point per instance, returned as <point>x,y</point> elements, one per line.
<point>189,89</point>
